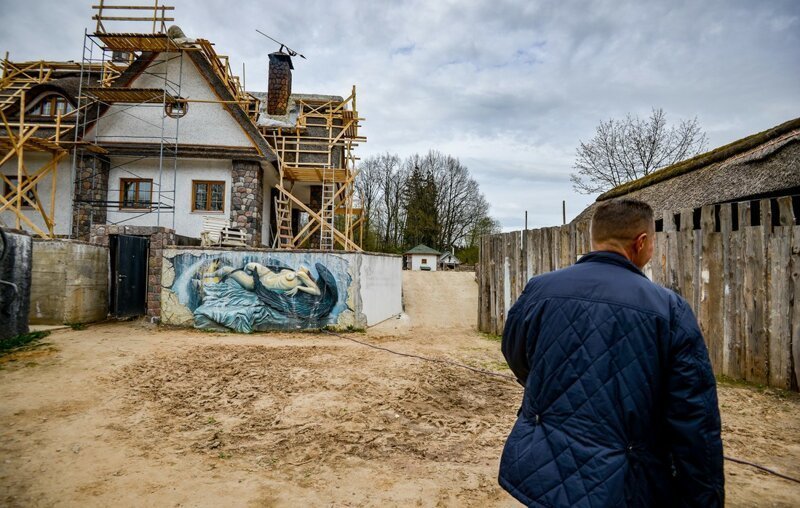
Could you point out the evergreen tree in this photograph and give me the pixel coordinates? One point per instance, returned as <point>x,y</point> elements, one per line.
<point>422,225</point>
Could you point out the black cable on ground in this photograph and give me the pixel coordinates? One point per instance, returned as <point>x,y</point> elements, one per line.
<point>427,359</point>
<point>506,376</point>
<point>765,469</point>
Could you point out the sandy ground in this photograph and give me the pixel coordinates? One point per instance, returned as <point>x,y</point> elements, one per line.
<point>127,414</point>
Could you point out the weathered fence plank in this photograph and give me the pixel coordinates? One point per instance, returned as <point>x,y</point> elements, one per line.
<point>779,328</point>
<point>711,293</point>
<point>795,320</point>
<point>733,352</point>
<point>756,368</point>
<point>687,278</point>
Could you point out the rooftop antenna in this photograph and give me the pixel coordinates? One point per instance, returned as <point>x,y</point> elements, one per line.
<point>288,49</point>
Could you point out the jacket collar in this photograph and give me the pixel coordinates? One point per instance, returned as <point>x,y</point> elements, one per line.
<point>611,258</point>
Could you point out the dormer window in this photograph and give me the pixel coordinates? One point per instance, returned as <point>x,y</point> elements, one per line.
<point>51,105</point>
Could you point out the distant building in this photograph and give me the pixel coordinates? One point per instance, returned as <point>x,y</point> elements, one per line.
<point>761,166</point>
<point>421,257</point>
<point>448,261</point>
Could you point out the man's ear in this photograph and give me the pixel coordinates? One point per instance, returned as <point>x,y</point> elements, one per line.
<point>640,242</point>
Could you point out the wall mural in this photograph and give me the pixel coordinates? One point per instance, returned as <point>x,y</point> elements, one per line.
<point>251,291</point>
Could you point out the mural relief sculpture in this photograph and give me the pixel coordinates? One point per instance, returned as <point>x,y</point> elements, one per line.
<point>244,293</point>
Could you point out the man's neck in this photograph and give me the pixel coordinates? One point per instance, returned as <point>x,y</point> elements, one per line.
<point>612,247</point>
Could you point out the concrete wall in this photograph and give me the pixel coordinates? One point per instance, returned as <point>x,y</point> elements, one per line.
<point>203,124</point>
<point>342,289</point>
<point>380,275</point>
<point>15,274</point>
<point>69,282</point>
<point>416,261</point>
<point>63,214</point>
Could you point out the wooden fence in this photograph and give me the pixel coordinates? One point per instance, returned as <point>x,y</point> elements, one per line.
<point>737,264</point>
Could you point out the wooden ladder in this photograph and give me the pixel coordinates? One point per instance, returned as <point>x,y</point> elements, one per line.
<point>283,215</point>
<point>328,208</point>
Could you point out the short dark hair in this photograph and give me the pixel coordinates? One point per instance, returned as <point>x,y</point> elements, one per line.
<point>621,219</point>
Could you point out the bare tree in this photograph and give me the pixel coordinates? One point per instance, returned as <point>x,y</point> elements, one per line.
<point>624,150</point>
<point>368,186</point>
<point>460,208</point>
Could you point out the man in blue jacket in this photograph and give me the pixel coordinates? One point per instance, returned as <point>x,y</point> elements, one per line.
<point>620,404</point>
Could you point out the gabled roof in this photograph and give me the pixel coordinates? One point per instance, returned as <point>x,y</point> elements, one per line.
<point>422,249</point>
<point>236,111</point>
<point>452,257</point>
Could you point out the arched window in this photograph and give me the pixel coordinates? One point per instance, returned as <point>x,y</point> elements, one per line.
<point>51,105</point>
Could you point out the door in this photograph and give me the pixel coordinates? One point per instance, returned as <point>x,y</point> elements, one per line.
<point>129,275</point>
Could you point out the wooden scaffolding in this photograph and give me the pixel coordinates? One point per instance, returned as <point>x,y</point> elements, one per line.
<point>19,136</point>
<point>132,31</point>
<point>319,150</point>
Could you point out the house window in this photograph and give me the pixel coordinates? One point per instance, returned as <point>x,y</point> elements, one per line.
<point>135,193</point>
<point>7,190</point>
<point>176,109</point>
<point>51,106</point>
<point>208,196</point>
<point>424,261</point>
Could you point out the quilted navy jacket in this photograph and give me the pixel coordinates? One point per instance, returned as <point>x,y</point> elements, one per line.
<point>620,404</point>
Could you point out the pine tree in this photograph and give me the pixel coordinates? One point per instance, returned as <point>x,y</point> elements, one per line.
<point>422,225</point>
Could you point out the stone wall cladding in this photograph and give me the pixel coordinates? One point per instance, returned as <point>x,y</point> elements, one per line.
<point>91,184</point>
<point>159,238</point>
<point>247,198</point>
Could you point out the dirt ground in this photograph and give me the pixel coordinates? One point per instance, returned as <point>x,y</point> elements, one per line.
<point>130,414</point>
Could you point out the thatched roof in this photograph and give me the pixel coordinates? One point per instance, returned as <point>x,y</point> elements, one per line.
<point>760,165</point>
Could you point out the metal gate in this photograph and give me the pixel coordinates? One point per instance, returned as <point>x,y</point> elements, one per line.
<point>129,275</point>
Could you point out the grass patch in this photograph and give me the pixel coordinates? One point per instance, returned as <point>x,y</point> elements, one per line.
<point>77,326</point>
<point>20,341</point>
<point>492,337</point>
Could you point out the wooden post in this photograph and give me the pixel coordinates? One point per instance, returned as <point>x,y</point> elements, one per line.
<point>780,297</point>
<point>711,288</point>
<point>795,319</point>
<point>755,299</point>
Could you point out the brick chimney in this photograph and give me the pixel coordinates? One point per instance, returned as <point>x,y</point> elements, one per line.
<point>280,83</point>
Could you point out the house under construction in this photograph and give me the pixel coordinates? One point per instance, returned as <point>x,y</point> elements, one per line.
<point>152,128</point>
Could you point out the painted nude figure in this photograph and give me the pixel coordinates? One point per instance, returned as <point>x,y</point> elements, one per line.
<point>285,280</point>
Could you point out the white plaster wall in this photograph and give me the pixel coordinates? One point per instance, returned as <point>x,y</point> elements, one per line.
<point>203,124</point>
<point>269,173</point>
<point>416,261</point>
<point>381,279</point>
<point>63,203</point>
<point>187,222</point>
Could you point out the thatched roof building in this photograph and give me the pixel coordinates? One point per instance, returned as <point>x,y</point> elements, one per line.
<point>763,165</point>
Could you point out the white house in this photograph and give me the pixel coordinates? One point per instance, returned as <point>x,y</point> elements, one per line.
<point>421,257</point>
<point>160,133</point>
<point>448,261</point>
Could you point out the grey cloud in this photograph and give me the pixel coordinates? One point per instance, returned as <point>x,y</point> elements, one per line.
<point>510,87</point>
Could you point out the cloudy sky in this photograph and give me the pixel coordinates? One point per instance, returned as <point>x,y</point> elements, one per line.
<point>508,87</point>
